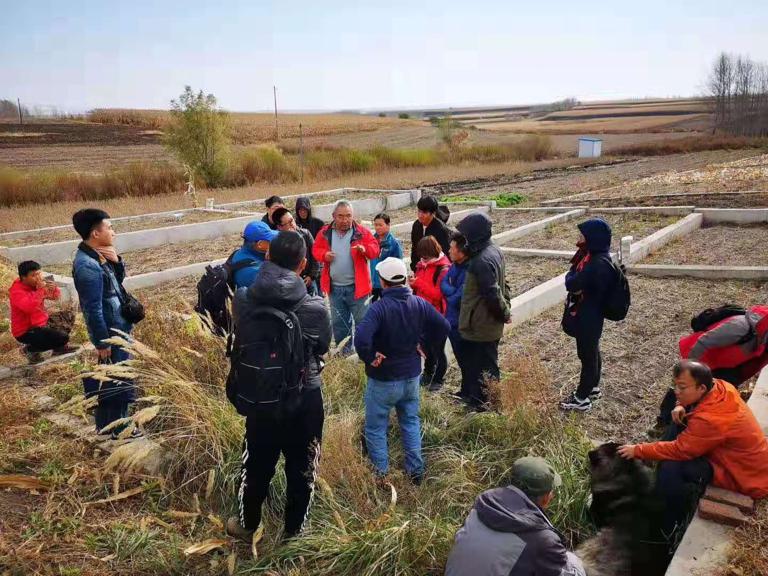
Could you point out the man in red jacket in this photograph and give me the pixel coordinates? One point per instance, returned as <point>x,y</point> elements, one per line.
<point>345,247</point>
<point>30,323</point>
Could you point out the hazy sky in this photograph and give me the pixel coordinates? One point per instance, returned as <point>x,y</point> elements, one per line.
<point>79,54</point>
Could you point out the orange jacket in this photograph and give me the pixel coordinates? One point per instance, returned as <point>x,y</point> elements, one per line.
<point>723,429</point>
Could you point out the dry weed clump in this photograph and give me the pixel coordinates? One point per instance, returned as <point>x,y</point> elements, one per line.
<point>748,555</point>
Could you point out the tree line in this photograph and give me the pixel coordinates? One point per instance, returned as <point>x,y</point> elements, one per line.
<point>9,109</point>
<point>738,86</point>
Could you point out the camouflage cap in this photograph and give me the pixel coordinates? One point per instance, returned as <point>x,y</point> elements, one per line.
<point>534,476</point>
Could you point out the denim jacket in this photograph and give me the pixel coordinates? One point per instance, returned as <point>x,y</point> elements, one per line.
<point>96,288</point>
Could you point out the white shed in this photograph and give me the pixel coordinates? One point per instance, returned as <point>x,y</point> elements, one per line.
<point>590,147</point>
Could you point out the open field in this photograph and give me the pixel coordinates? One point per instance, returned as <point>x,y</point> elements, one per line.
<point>537,181</point>
<point>524,273</point>
<point>563,235</point>
<point>726,245</point>
<point>638,353</point>
<point>673,115</point>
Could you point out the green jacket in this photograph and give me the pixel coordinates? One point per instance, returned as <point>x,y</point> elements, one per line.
<point>485,300</point>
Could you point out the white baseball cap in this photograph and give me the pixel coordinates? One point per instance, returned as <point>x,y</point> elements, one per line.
<point>392,270</point>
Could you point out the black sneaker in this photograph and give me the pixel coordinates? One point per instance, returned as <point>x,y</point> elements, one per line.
<point>596,394</point>
<point>576,403</point>
<point>32,357</point>
<point>435,386</point>
<point>135,433</point>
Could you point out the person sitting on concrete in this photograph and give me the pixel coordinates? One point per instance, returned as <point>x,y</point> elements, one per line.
<point>452,287</point>
<point>31,324</point>
<point>428,224</point>
<point>714,437</point>
<point>304,218</point>
<point>346,247</point>
<point>589,281</point>
<point>735,349</point>
<point>432,267</point>
<point>389,340</point>
<point>285,222</point>
<point>256,238</point>
<point>389,246</point>
<point>272,203</point>
<point>507,532</point>
<point>484,308</point>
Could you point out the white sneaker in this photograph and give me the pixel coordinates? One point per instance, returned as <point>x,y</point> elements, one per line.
<point>576,403</point>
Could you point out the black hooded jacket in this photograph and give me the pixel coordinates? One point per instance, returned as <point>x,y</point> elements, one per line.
<point>589,284</point>
<point>310,223</point>
<point>506,534</point>
<point>283,289</point>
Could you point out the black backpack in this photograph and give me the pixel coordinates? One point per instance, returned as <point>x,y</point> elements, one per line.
<point>710,316</point>
<point>618,299</point>
<point>214,294</point>
<point>268,362</point>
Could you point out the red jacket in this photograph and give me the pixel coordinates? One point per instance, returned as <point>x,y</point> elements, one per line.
<point>361,236</point>
<point>723,429</point>
<point>427,281</point>
<point>734,341</point>
<point>28,308</point>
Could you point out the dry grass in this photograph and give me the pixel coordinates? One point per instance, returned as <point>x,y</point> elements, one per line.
<point>748,555</point>
<point>690,144</point>
<point>638,353</point>
<point>717,246</point>
<point>524,273</point>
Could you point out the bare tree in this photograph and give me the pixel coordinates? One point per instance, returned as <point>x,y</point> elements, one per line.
<point>739,89</point>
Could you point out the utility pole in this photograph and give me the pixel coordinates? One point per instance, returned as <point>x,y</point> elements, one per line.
<point>21,118</point>
<point>277,132</point>
<point>301,152</point>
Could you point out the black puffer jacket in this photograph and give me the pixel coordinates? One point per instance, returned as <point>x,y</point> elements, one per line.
<point>589,283</point>
<point>283,289</point>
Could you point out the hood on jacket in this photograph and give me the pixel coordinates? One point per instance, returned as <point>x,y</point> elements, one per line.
<point>306,203</point>
<point>255,254</point>
<point>476,228</point>
<point>508,509</point>
<point>597,233</point>
<point>276,286</point>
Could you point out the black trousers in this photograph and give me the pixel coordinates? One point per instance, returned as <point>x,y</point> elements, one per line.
<point>732,375</point>
<point>44,338</point>
<point>588,350</point>
<point>298,438</point>
<point>435,364</point>
<point>680,484</point>
<point>481,363</point>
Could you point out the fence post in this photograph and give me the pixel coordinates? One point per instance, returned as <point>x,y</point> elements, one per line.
<point>21,116</point>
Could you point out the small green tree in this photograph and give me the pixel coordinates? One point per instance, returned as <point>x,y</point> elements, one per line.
<point>198,135</point>
<point>403,115</point>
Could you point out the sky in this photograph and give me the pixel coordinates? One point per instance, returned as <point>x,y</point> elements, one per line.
<point>394,54</point>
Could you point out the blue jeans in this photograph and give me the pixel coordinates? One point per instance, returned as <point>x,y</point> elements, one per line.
<point>380,397</point>
<point>345,310</point>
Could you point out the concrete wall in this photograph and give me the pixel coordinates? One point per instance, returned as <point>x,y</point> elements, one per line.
<point>22,233</point>
<point>662,237</point>
<point>527,229</point>
<point>162,276</point>
<point>663,210</point>
<point>63,251</point>
<point>398,201</point>
<point>734,215</point>
<point>454,219</point>
<point>537,253</point>
<point>707,272</point>
<point>240,203</point>
<point>537,300</point>
<point>554,209</point>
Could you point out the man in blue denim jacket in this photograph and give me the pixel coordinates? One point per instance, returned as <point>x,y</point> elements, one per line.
<point>389,246</point>
<point>388,341</point>
<point>98,273</point>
